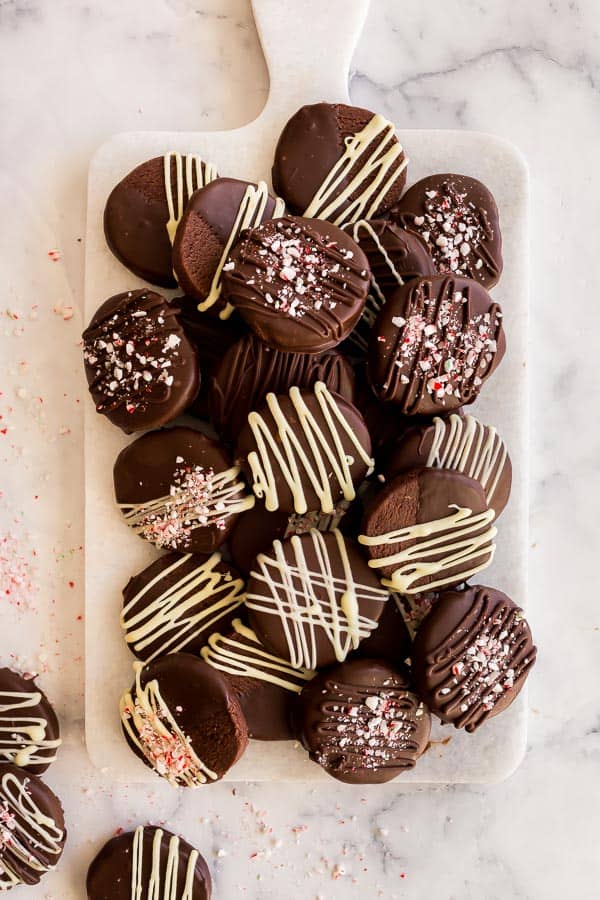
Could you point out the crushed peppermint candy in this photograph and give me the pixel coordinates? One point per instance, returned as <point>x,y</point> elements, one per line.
<point>169,752</point>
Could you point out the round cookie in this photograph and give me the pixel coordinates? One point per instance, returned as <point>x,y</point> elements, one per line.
<point>210,227</point>
<point>457,442</point>
<point>177,489</point>
<point>144,209</point>
<point>312,598</point>
<point>427,529</point>
<point>177,602</point>
<point>434,343</point>
<point>395,255</point>
<point>338,162</point>
<point>472,655</point>
<point>390,641</point>
<point>148,863</point>
<point>362,722</point>
<point>141,369</point>
<point>300,284</point>
<point>266,685</point>
<point>32,828</point>
<point>29,729</point>
<point>305,450</point>
<point>458,219</point>
<point>250,370</point>
<point>183,719</point>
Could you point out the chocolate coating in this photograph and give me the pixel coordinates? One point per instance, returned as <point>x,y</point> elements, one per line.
<point>148,854</point>
<point>472,655</point>
<point>458,219</point>
<point>135,221</point>
<point>390,641</point>
<point>362,723</point>
<point>250,370</point>
<point>193,730</point>
<point>29,729</point>
<point>177,602</point>
<point>312,142</point>
<point>434,344</point>
<point>300,284</point>
<point>141,369</point>
<point>32,828</point>
<point>177,489</point>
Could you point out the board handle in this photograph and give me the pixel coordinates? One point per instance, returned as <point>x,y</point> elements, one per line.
<point>308,47</point>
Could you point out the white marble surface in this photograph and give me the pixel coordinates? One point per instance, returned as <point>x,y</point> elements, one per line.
<point>72,74</point>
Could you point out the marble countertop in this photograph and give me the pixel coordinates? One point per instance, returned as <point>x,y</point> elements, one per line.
<point>73,74</point>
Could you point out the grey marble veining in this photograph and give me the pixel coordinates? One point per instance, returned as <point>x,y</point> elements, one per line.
<point>72,73</point>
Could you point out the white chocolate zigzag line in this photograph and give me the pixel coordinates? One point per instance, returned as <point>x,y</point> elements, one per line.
<point>197,176</point>
<point>35,832</point>
<point>328,456</point>
<point>326,203</point>
<point>169,616</point>
<point>171,874</point>
<point>25,735</point>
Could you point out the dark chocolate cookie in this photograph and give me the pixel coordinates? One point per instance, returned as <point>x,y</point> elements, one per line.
<point>144,209</point>
<point>29,729</point>
<point>362,722</point>
<point>472,655</point>
<point>177,489</point>
<point>300,284</point>
<point>338,162</point>
<point>183,719</point>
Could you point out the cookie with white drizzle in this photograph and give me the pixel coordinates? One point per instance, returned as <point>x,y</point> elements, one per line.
<point>312,598</point>
<point>141,368</point>
<point>456,442</point>
<point>266,685</point>
<point>362,722</point>
<point>428,529</point>
<point>29,729</point>
<point>149,863</point>
<point>340,163</point>
<point>144,209</point>
<point>472,655</point>
<point>32,828</point>
<point>305,450</point>
<point>177,602</point>
<point>177,489</point>
<point>183,719</point>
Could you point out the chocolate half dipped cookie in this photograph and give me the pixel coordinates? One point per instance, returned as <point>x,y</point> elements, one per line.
<point>211,225</point>
<point>313,598</point>
<point>338,162</point>
<point>300,284</point>
<point>434,344</point>
<point>306,450</point>
<point>472,655</point>
<point>141,369</point>
<point>183,719</point>
<point>29,729</point>
<point>362,722</point>
<point>177,602</point>
<point>457,217</point>
<point>144,209</point>
<point>250,370</point>
<point>32,828</point>
<point>148,863</point>
<point>177,489</point>
<point>266,685</point>
<point>427,529</point>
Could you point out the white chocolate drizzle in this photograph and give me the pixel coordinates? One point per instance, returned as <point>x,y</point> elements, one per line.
<point>160,885</point>
<point>22,739</point>
<point>197,175</point>
<point>249,659</point>
<point>251,212</point>
<point>182,611</point>
<point>326,463</point>
<point>442,545</point>
<point>373,181</point>
<point>294,592</point>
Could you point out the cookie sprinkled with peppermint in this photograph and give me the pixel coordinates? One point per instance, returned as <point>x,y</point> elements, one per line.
<point>458,219</point>
<point>141,369</point>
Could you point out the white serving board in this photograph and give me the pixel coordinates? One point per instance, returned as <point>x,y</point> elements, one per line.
<point>308,47</point>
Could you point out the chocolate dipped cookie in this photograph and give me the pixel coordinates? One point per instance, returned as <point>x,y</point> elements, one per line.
<point>29,729</point>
